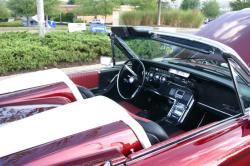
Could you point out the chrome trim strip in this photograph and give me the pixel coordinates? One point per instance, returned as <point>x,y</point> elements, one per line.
<point>188,110</point>
<point>215,109</point>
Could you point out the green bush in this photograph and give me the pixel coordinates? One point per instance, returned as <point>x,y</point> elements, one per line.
<point>26,51</point>
<point>138,18</point>
<point>173,18</point>
<point>66,17</point>
<point>183,18</point>
<point>11,24</point>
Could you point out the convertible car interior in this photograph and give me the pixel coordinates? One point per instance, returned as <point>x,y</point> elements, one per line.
<point>170,97</point>
<point>173,102</point>
<point>175,92</point>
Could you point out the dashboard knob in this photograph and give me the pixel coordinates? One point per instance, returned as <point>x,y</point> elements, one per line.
<point>151,75</point>
<point>157,77</point>
<point>163,79</point>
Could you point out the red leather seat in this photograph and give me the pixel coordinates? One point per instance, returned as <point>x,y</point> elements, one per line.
<point>154,131</point>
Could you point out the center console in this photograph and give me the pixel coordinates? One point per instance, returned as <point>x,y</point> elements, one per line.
<point>183,100</point>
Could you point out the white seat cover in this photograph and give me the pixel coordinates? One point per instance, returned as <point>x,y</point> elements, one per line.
<point>36,79</point>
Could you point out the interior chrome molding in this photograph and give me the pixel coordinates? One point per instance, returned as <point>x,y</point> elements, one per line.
<point>215,109</point>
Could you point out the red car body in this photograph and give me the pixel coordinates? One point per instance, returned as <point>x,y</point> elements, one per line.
<point>226,144</point>
<point>220,143</point>
<point>231,29</point>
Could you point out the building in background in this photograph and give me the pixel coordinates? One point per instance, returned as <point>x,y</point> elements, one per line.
<point>110,19</point>
<point>67,8</point>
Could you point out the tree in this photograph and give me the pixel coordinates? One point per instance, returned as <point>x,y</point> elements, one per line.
<point>28,8</point>
<point>190,4</point>
<point>51,7</point>
<point>144,4</point>
<point>4,12</point>
<point>97,7</point>
<point>23,8</point>
<point>239,4</point>
<point>211,9</point>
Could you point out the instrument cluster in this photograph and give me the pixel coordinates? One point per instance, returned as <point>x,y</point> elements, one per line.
<point>156,77</point>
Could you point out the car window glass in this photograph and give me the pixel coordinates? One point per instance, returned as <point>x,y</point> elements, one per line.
<point>150,49</point>
<point>243,86</point>
<point>244,90</point>
<point>160,51</point>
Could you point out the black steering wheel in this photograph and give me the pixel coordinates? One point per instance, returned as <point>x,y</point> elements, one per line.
<point>131,79</point>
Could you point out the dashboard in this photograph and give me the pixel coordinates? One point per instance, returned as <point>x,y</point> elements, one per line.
<point>156,76</point>
<point>175,85</point>
<point>187,90</point>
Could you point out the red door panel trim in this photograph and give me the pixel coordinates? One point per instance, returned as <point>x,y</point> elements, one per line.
<point>87,79</point>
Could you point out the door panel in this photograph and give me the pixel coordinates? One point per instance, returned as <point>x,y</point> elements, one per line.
<point>99,82</point>
<point>89,79</point>
<point>107,81</point>
<point>106,76</point>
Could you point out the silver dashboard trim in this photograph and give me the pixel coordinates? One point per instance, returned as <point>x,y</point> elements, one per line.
<point>215,109</point>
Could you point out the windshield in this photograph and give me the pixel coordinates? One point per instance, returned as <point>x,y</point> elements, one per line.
<point>155,50</point>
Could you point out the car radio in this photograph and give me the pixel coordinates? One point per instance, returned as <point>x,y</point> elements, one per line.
<point>183,101</point>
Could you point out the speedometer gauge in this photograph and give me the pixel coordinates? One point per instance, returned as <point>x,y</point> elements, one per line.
<point>179,73</point>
